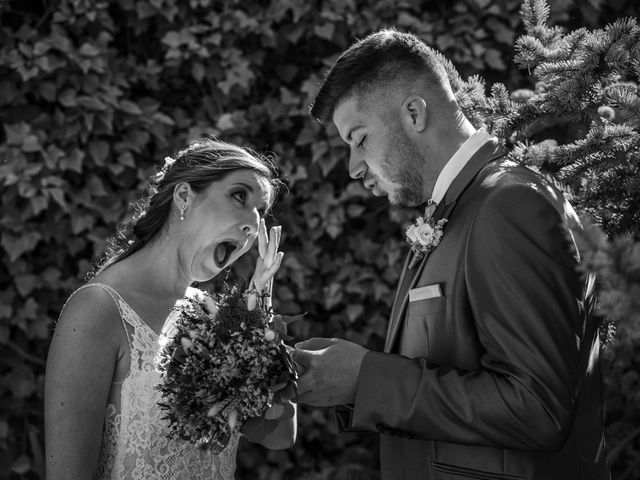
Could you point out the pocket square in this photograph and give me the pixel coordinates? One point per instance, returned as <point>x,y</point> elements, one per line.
<point>423,293</point>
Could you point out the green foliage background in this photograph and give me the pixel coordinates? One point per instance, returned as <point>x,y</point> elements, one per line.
<point>94,94</point>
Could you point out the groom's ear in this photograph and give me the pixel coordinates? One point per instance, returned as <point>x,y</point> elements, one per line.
<point>414,113</point>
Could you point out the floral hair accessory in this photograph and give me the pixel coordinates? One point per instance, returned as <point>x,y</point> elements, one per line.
<point>425,234</point>
<point>168,162</point>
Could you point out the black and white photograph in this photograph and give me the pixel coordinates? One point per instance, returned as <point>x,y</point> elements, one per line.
<point>319,240</point>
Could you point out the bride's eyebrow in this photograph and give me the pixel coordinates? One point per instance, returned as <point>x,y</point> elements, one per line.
<point>245,185</point>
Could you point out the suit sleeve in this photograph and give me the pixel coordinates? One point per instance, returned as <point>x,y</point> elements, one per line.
<point>524,292</point>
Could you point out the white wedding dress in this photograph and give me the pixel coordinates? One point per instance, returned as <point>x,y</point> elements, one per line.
<point>135,441</point>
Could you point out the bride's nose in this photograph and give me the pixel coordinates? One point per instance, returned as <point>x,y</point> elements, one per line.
<point>250,224</point>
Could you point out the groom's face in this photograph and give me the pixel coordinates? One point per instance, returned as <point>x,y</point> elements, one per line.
<point>381,154</point>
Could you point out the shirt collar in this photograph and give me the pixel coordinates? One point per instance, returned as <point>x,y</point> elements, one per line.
<point>457,162</point>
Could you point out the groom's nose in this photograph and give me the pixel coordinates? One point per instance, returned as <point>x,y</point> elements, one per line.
<point>357,167</point>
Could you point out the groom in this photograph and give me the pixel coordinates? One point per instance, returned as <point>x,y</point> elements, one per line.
<point>491,367</point>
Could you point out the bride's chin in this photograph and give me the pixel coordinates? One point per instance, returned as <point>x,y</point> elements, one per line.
<point>204,273</point>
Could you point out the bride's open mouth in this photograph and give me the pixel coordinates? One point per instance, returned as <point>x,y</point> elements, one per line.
<point>223,252</point>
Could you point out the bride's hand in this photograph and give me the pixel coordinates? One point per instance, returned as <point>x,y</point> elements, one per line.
<point>268,262</point>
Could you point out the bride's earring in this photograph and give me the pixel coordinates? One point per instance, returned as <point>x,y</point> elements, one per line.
<point>183,208</point>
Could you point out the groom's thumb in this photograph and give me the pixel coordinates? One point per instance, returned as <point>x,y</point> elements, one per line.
<point>302,358</point>
<point>315,344</point>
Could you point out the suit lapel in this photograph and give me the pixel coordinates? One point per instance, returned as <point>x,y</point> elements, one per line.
<point>488,152</point>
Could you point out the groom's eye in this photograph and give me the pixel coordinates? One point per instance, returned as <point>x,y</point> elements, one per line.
<point>361,144</point>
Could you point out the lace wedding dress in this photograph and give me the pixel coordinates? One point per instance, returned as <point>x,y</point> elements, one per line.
<point>135,441</point>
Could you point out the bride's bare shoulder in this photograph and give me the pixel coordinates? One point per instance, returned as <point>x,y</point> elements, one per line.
<point>91,314</point>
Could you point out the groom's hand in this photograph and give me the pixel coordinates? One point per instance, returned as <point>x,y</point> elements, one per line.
<point>331,368</point>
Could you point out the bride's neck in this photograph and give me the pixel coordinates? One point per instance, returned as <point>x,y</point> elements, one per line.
<point>158,267</point>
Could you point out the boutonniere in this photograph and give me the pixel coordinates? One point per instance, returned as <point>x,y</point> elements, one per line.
<point>425,234</point>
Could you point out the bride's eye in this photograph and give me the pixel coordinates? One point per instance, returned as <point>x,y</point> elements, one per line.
<point>240,196</point>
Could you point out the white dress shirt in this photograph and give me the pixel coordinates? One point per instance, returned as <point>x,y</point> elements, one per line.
<point>457,162</point>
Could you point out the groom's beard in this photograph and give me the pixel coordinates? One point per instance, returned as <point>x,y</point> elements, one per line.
<point>403,166</point>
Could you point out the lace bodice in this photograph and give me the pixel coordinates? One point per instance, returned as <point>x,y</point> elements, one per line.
<point>135,442</point>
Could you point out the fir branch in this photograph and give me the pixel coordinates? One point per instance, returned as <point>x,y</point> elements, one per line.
<point>535,13</point>
<point>602,143</point>
<point>624,97</point>
<point>535,154</point>
<point>530,52</point>
<point>454,77</point>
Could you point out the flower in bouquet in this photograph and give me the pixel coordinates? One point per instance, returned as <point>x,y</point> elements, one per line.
<point>224,365</point>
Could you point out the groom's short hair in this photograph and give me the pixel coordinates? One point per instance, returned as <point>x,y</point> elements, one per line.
<point>378,60</point>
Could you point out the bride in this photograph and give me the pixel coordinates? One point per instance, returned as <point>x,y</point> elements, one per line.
<point>102,420</point>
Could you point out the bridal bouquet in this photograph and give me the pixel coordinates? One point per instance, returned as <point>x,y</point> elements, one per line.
<point>225,366</point>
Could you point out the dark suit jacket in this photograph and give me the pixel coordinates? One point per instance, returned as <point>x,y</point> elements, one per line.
<point>499,378</point>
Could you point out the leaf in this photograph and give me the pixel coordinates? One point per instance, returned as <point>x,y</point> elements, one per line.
<point>73,161</point>
<point>25,284</point>
<point>327,163</point>
<point>197,72</point>
<point>286,72</point>
<point>16,133</point>
<point>7,92</point>
<point>21,466</point>
<point>49,63</point>
<point>91,103</point>
<point>48,91</point>
<point>30,309</point>
<point>23,387</point>
<point>16,245</point>
<point>494,59</point>
<point>129,107</point>
<point>177,39</point>
<point>5,311</point>
<point>99,150</point>
<point>353,312</point>
<point>58,196</point>
<point>51,275</point>
<point>325,31</point>
<point>31,144</point>
<point>445,41</point>
<point>144,10</point>
<point>126,159</point>
<point>96,186</point>
<point>332,295</point>
<point>318,150</point>
<point>40,48</point>
<point>225,122</point>
<point>355,210</point>
<point>68,98</point>
<point>239,73</point>
<point>163,118</point>
<point>88,50</point>
<point>116,168</point>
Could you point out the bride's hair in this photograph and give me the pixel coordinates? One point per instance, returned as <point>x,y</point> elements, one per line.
<point>200,164</point>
